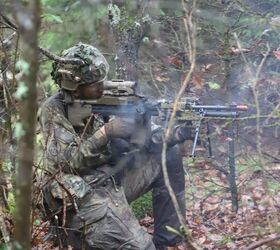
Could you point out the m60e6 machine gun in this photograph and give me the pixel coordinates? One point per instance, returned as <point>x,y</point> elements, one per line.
<point>120,99</point>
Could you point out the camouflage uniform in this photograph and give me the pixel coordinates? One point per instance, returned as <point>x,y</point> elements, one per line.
<point>96,213</point>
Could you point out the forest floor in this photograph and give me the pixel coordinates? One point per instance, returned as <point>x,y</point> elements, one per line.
<point>209,211</point>
<point>209,214</point>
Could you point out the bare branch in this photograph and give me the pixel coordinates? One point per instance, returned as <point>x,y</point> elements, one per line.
<point>47,53</point>
<point>8,22</point>
<point>262,242</point>
<point>74,61</point>
<point>192,54</point>
<point>7,42</point>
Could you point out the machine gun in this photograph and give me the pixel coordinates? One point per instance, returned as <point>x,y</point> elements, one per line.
<point>120,99</point>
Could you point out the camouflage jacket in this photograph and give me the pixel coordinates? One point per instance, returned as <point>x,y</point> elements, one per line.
<point>65,150</point>
<point>67,154</point>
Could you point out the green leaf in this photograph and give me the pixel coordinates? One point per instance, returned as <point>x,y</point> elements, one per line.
<point>52,18</point>
<point>21,90</point>
<point>162,13</point>
<point>23,66</point>
<point>4,247</point>
<point>146,39</point>
<point>18,130</point>
<point>178,13</point>
<point>214,85</point>
<point>37,222</point>
<point>173,230</point>
<point>11,202</point>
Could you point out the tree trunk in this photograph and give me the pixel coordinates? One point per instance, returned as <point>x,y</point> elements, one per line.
<point>128,36</point>
<point>28,20</point>
<point>127,57</point>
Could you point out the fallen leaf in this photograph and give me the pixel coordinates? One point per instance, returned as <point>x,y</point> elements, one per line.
<point>275,21</point>
<point>215,237</point>
<point>214,85</point>
<point>237,51</point>
<point>202,240</point>
<point>198,81</point>
<point>175,61</point>
<point>146,221</point>
<point>206,67</point>
<point>277,54</point>
<point>211,207</point>
<point>162,79</point>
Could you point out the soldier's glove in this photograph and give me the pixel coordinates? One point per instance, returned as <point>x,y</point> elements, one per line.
<point>183,132</point>
<point>119,128</point>
<point>178,134</point>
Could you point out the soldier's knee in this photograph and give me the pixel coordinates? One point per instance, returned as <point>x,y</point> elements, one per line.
<point>113,232</point>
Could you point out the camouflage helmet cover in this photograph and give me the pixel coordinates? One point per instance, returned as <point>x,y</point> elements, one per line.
<point>69,76</point>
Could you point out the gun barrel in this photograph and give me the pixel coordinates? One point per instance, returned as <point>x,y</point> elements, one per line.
<point>219,107</point>
<point>229,114</point>
<point>230,111</point>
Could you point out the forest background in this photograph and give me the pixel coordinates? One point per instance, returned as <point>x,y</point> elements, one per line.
<point>222,52</point>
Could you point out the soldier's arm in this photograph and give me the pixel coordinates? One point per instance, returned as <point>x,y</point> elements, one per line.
<point>65,149</point>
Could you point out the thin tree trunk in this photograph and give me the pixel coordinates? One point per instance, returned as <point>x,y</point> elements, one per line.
<point>28,20</point>
<point>128,36</point>
<point>232,171</point>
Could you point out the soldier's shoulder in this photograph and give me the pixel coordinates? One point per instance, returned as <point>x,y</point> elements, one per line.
<point>54,103</point>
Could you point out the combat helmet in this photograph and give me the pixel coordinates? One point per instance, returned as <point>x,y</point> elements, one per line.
<point>94,69</point>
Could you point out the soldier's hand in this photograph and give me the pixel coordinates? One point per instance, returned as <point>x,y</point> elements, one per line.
<point>184,132</point>
<point>179,134</point>
<point>119,128</point>
<point>187,131</point>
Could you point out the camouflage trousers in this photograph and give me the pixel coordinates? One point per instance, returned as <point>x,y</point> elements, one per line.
<point>104,219</point>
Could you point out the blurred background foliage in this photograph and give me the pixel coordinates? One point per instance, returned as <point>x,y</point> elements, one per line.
<point>163,55</point>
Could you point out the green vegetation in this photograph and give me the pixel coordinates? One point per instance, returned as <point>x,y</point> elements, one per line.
<point>273,187</point>
<point>142,206</point>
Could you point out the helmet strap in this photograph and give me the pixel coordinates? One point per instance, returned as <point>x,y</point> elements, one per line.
<point>68,96</point>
